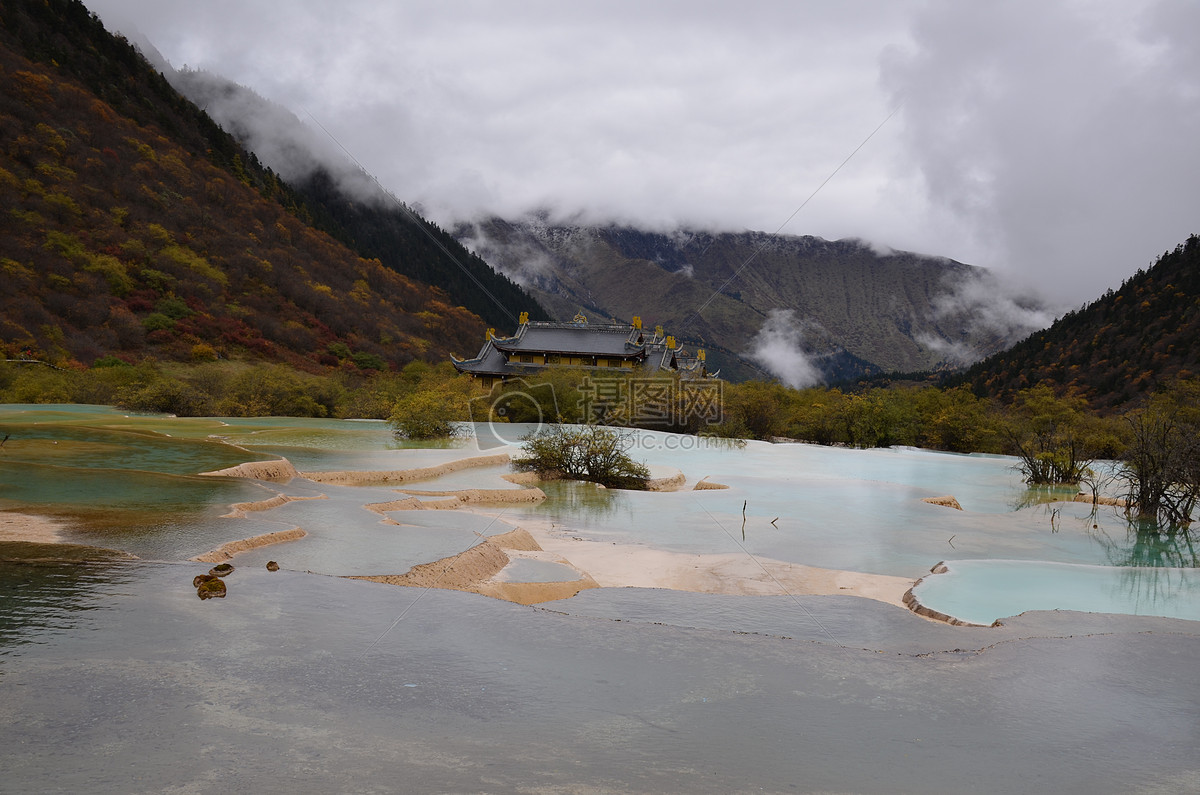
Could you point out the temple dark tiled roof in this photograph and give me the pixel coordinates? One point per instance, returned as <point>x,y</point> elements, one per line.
<point>574,339</point>
<point>490,361</point>
<point>538,345</point>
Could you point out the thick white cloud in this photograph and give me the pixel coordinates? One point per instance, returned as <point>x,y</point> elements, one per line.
<point>657,113</point>
<point>1054,141</point>
<point>779,348</point>
<point>1061,136</point>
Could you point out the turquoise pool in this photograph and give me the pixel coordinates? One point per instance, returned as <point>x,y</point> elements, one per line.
<point>132,483</point>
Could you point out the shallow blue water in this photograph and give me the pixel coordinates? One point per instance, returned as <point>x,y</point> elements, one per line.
<point>981,591</point>
<point>130,482</point>
<point>528,570</point>
<point>117,679</point>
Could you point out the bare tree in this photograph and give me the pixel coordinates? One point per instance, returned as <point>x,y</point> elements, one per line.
<point>1161,465</point>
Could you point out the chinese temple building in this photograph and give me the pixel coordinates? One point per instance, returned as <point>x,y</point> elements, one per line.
<point>538,345</point>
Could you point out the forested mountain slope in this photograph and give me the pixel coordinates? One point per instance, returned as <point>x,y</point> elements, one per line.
<point>1116,349</point>
<point>338,197</point>
<point>130,224</point>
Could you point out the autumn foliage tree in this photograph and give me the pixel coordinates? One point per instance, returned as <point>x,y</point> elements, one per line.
<point>583,452</point>
<point>133,226</point>
<point>1161,464</point>
<point>1054,436</point>
<point>433,403</point>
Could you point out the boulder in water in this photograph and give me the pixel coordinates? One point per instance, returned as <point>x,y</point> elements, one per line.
<point>211,589</point>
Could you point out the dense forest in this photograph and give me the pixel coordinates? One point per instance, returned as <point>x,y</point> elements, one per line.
<point>386,230</point>
<point>133,226</point>
<point>1117,349</point>
<point>368,219</point>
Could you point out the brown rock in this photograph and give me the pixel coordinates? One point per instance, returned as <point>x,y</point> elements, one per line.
<point>211,589</point>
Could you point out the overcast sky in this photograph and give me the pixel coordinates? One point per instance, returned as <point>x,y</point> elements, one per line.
<point>1054,143</point>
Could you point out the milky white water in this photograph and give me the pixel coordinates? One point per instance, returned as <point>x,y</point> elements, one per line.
<point>117,679</point>
<point>134,482</point>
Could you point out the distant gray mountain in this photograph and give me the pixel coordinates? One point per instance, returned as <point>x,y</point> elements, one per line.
<point>800,308</point>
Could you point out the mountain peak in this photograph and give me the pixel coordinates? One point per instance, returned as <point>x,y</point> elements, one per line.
<point>850,306</point>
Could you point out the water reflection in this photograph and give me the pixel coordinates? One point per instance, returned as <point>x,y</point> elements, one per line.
<point>1150,589</point>
<point>1152,563</point>
<point>145,513</point>
<point>570,499</point>
<point>48,588</point>
<point>1042,495</point>
<point>1145,545</point>
<point>105,448</point>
